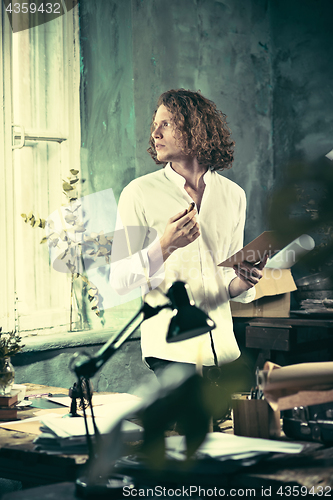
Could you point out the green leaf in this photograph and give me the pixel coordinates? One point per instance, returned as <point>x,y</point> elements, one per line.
<point>43,240</point>
<point>102,251</point>
<point>102,240</point>
<point>70,218</point>
<point>88,238</point>
<point>67,187</point>
<point>74,172</point>
<point>79,229</point>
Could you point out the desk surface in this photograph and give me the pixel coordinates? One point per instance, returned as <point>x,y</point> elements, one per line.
<point>304,321</point>
<point>18,461</point>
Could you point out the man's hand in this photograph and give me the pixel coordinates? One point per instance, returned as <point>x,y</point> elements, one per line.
<point>180,230</point>
<point>248,275</point>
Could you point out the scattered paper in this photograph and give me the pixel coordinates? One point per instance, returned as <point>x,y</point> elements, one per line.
<point>219,445</point>
<point>31,425</point>
<point>329,155</point>
<point>98,399</point>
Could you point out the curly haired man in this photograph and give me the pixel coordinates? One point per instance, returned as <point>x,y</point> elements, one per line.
<point>191,139</point>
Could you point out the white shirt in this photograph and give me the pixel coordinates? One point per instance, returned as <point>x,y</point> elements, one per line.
<point>149,201</point>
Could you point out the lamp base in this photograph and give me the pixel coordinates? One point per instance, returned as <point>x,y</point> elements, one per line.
<point>109,487</point>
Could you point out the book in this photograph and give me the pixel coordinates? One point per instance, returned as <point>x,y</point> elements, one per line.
<point>8,412</point>
<point>9,400</point>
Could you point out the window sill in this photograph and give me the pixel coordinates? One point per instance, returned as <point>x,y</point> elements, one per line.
<point>65,340</point>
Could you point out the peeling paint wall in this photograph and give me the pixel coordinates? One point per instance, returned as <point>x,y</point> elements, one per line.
<point>107,99</point>
<point>266,64</point>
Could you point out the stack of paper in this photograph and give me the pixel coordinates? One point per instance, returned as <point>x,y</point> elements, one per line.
<point>68,435</point>
<point>229,447</point>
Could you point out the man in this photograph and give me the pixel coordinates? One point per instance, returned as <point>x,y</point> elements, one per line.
<point>190,137</point>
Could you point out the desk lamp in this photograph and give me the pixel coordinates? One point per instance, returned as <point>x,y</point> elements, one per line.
<point>188,321</point>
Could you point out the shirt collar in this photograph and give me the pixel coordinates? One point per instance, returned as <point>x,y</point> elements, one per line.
<point>178,179</point>
<point>173,176</point>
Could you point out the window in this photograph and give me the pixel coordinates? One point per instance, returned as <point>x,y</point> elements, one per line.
<point>40,136</point>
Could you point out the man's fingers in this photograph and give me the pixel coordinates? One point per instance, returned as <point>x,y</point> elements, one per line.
<point>248,269</point>
<point>184,216</point>
<point>250,273</point>
<point>249,279</point>
<point>195,234</point>
<point>194,229</point>
<point>247,275</point>
<point>263,262</point>
<point>178,216</point>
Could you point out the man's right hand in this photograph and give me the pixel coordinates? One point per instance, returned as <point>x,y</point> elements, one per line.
<point>180,230</point>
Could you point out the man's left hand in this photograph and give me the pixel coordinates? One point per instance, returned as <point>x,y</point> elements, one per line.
<point>248,275</point>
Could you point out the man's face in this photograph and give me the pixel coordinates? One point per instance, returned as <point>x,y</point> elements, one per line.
<point>166,137</point>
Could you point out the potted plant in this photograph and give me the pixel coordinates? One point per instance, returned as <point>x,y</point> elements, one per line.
<point>92,245</point>
<point>10,344</point>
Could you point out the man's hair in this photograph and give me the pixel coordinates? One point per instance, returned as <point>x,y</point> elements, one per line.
<point>202,127</point>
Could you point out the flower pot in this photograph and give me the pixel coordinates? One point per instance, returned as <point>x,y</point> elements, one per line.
<point>7,376</point>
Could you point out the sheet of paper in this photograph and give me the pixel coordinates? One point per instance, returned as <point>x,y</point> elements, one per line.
<point>66,428</point>
<point>98,399</point>
<point>110,416</point>
<point>329,155</point>
<point>32,425</point>
<point>217,444</point>
<point>266,243</point>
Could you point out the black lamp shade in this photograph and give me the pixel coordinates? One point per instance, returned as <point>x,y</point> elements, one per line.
<point>188,321</point>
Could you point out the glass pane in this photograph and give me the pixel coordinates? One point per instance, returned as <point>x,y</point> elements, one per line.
<point>39,99</point>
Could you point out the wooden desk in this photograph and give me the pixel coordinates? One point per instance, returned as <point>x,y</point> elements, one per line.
<point>273,336</point>
<point>289,475</point>
<point>19,461</point>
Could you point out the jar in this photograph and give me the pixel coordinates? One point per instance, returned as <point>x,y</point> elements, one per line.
<point>7,376</point>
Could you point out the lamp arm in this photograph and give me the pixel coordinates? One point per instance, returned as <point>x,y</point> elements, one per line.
<point>88,368</point>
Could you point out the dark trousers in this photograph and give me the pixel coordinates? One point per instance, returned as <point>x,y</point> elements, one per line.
<point>220,381</point>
